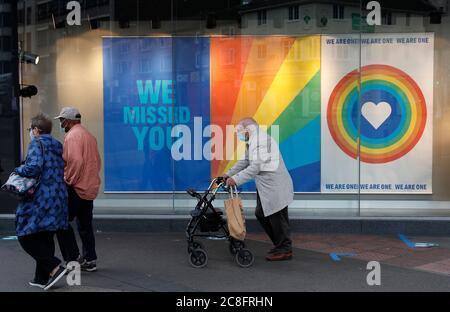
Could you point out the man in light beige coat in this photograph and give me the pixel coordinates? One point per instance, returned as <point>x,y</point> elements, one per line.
<point>264,163</point>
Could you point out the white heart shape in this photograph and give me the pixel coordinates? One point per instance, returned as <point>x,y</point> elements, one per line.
<point>376,114</point>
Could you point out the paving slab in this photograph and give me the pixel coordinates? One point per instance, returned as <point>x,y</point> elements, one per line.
<point>157,262</point>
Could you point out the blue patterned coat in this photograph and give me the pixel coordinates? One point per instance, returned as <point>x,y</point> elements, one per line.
<point>47,210</point>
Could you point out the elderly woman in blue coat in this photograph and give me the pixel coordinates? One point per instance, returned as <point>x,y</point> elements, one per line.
<point>38,218</point>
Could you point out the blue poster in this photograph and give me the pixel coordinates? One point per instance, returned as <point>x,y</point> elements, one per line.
<point>156,108</point>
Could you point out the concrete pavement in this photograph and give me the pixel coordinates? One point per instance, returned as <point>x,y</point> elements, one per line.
<point>158,262</point>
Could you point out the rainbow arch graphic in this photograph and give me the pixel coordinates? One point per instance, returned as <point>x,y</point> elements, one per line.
<point>398,134</point>
<point>275,80</point>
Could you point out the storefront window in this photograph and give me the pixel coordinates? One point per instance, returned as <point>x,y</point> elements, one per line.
<point>355,93</point>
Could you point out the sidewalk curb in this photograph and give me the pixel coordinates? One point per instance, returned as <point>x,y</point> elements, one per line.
<point>350,226</point>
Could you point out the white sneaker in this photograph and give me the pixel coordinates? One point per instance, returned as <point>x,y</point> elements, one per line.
<point>36,284</point>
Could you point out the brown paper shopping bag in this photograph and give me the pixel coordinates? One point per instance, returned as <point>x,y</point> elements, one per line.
<point>235,216</point>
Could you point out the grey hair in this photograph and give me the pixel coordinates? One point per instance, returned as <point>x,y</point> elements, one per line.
<point>43,122</point>
<point>248,121</point>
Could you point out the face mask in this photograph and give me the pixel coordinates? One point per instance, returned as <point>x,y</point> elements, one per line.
<point>62,129</point>
<point>241,137</point>
<point>31,135</point>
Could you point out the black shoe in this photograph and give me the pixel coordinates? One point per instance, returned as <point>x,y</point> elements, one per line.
<point>55,278</point>
<point>34,283</point>
<point>89,266</point>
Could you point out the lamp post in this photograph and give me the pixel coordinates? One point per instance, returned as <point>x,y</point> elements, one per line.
<point>20,43</point>
<point>27,91</point>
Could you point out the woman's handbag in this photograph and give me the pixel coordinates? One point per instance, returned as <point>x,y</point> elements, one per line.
<point>235,216</point>
<point>22,187</point>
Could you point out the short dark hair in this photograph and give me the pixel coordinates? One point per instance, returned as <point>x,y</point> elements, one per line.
<point>43,122</point>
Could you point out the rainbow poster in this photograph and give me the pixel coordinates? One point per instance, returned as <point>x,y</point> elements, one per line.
<point>377,114</point>
<point>349,112</point>
<point>169,104</point>
<point>275,80</point>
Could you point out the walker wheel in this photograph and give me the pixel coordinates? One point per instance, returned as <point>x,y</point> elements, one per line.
<point>236,245</point>
<point>198,258</point>
<point>244,258</point>
<point>195,245</point>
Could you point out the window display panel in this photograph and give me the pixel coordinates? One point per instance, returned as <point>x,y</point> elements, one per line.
<point>354,96</point>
